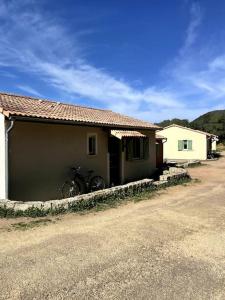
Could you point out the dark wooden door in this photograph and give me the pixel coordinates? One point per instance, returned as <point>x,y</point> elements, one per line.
<point>114,156</point>
<point>159,154</point>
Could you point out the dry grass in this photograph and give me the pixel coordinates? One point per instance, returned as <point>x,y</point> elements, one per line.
<point>221,147</point>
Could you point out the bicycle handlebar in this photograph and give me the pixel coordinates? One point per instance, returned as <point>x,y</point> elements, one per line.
<point>75,169</point>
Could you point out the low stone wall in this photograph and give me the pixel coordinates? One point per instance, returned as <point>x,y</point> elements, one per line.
<point>86,201</point>
<point>128,189</point>
<point>184,163</point>
<point>173,173</point>
<point>191,163</point>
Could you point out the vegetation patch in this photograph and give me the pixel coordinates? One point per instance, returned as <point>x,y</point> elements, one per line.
<point>31,224</point>
<point>191,166</point>
<point>196,180</point>
<point>221,147</point>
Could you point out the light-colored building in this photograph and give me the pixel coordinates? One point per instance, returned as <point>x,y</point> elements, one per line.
<point>41,140</point>
<point>187,144</point>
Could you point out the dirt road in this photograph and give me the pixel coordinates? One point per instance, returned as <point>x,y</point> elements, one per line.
<point>169,247</point>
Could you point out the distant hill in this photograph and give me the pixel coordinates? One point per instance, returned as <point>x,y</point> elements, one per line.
<point>182,122</point>
<point>213,122</point>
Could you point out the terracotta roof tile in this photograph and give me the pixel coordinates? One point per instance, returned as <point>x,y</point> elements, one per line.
<point>159,136</point>
<point>15,105</point>
<point>126,133</point>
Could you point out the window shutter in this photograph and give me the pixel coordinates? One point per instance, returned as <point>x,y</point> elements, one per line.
<point>180,145</point>
<point>142,150</point>
<point>129,147</point>
<point>190,145</point>
<point>146,148</point>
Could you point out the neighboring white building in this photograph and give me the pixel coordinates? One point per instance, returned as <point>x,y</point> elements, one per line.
<point>186,143</point>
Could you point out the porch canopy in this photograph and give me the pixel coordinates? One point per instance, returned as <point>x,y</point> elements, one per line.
<point>160,138</point>
<point>127,134</point>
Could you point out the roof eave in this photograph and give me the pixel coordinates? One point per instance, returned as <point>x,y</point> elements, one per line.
<point>188,128</point>
<point>71,122</point>
<point>4,112</point>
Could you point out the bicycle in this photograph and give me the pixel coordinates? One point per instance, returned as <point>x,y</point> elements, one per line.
<point>210,155</point>
<point>79,184</point>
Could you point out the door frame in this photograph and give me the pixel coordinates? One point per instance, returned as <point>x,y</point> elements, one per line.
<point>120,164</point>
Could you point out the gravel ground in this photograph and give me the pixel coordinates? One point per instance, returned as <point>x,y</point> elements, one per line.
<point>168,247</point>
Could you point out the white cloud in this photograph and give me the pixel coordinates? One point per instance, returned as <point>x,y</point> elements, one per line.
<point>95,84</point>
<point>44,47</point>
<point>29,90</point>
<point>217,63</point>
<point>191,33</point>
<point>197,73</point>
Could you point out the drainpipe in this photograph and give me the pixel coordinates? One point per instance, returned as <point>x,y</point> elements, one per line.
<point>7,157</point>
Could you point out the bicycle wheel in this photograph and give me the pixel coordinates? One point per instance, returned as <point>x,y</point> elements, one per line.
<point>70,189</point>
<point>97,183</point>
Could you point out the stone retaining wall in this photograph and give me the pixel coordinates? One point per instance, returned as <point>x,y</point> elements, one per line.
<point>117,191</point>
<point>121,191</point>
<point>173,173</point>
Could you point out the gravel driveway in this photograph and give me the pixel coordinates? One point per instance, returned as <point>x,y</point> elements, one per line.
<point>169,247</point>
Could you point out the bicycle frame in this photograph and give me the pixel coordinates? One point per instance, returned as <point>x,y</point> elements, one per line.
<point>80,184</point>
<point>84,179</point>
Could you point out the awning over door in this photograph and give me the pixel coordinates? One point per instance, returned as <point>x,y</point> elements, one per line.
<point>160,138</point>
<point>126,134</point>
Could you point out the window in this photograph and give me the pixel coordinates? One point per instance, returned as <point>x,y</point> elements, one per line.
<point>92,144</point>
<point>137,151</point>
<point>137,148</point>
<point>184,145</point>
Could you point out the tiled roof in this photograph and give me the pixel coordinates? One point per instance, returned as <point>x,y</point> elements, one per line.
<point>126,133</point>
<point>159,137</point>
<point>24,106</point>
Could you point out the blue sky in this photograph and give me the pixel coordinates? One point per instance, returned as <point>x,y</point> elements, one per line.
<point>152,59</point>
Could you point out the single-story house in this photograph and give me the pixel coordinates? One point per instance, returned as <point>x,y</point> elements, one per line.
<point>186,143</point>
<point>41,140</point>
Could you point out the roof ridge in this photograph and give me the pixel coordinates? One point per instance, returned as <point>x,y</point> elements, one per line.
<point>28,106</point>
<point>51,101</point>
<point>200,131</point>
<point>122,115</point>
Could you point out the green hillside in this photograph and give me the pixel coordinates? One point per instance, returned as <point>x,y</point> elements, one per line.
<point>213,122</point>
<point>182,122</point>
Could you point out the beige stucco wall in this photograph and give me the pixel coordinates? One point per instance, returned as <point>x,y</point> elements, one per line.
<point>41,155</point>
<point>2,158</point>
<point>137,169</point>
<point>173,134</point>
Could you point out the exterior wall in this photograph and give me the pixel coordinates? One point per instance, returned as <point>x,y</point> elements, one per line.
<point>137,169</point>
<point>214,146</point>
<point>173,134</point>
<point>2,158</point>
<point>41,156</point>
